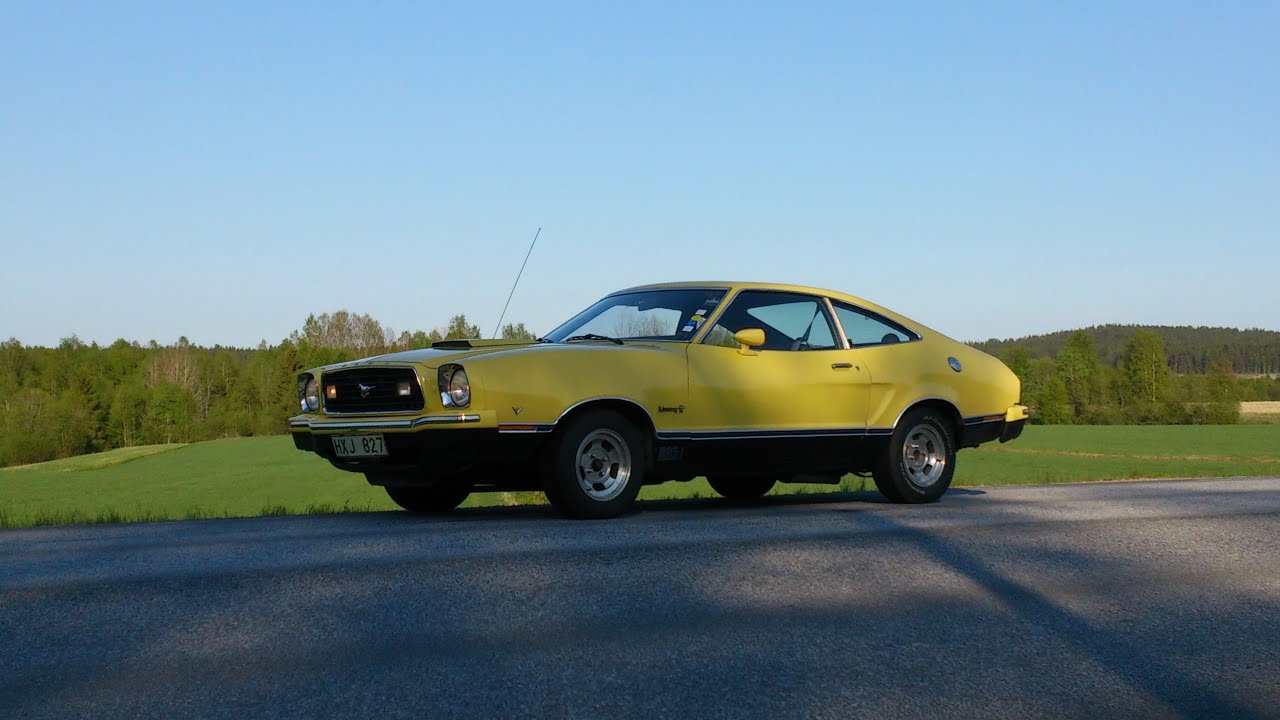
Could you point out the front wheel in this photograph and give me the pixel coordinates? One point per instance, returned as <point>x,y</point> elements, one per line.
<point>740,488</point>
<point>921,458</point>
<point>434,499</point>
<point>596,467</point>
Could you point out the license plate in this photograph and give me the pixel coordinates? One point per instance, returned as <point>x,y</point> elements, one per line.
<point>348,446</point>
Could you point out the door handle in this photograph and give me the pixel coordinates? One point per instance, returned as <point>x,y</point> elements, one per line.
<point>841,366</point>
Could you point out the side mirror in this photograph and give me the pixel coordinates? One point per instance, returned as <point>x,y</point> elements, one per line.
<point>748,338</point>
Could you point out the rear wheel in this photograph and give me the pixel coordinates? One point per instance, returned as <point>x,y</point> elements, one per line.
<point>740,488</point>
<point>921,458</point>
<point>596,467</point>
<point>435,499</point>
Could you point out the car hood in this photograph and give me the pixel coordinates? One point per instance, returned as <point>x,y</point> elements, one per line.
<point>434,357</point>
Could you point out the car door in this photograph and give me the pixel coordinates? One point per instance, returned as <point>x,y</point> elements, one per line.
<point>802,382</point>
<point>891,361</point>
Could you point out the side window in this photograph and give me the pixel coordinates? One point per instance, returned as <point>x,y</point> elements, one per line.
<point>864,329</point>
<point>789,321</point>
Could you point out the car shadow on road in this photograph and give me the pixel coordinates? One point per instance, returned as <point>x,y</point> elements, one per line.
<point>768,501</point>
<point>712,504</point>
<point>1143,668</point>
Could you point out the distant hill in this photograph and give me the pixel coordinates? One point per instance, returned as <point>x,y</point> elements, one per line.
<point>1190,349</point>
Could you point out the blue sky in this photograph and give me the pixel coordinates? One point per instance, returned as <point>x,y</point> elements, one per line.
<point>220,170</point>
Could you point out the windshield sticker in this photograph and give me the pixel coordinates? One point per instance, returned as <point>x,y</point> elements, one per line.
<point>695,321</point>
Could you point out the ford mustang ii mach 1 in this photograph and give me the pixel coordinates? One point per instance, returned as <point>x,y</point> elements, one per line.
<point>748,384</point>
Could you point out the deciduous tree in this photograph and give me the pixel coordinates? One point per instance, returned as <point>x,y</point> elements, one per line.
<point>460,329</point>
<point>1019,361</point>
<point>1054,405</point>
<point>1079,370</point>
<point>1144,370</point>
<point>517,332</point>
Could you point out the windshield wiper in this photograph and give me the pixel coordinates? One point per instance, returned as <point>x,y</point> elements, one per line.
<point>593,336</point>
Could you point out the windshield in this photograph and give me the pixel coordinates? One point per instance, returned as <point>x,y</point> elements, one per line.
<point>648,315</point>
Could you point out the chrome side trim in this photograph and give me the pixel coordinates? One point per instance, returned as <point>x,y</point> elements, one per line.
<point>580,403</point>
<point>386,424</point>
<point>537,428</point>
<point>922,400</point>
<point>375,412</point>
<point>438,420</point>
<point>835,323</point>
<point>760,434</point>
<point>525,428</point>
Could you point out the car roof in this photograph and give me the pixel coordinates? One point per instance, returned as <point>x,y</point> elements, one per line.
<point>736,285</point>
<point>776,287</point>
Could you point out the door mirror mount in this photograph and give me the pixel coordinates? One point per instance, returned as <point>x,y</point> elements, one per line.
<point>748,338</point>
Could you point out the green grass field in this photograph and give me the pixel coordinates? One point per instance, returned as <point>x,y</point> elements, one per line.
<point>267,476</point>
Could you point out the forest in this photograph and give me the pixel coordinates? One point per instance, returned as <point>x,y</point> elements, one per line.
<point>81,398</point>
<point>76,398</point>
<point>1189,349</point>
<point>1140,387</point>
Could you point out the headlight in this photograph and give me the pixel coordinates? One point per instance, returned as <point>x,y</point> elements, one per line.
<point>455,387</point>
<point>311,396</point>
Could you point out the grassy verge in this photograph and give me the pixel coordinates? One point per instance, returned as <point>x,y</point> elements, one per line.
<point>98,460</point>
<point>1084,453</point>
<point>248,477</point>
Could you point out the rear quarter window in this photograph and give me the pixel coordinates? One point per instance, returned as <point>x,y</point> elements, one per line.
<point>863,328</point>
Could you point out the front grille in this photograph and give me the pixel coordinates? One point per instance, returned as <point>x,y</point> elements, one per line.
<point>380,391</point>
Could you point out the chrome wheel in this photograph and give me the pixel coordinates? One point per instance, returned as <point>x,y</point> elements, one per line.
<point>924,456</point>
<point>603,465</point>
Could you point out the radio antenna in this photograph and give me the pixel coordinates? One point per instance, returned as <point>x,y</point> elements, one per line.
<point>517,282</point>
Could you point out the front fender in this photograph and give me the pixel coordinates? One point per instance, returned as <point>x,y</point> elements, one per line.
<point>537,388</point>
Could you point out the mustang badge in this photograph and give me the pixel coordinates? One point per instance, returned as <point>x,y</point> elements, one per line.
<point>365,389</point>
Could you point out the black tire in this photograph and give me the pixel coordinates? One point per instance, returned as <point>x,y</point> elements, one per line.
<point>434,499</point>
<point>740,488</point>
<point>596,466</point>
<point>921,458</point>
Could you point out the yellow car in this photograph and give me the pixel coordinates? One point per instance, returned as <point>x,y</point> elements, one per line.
<point>747,384</point>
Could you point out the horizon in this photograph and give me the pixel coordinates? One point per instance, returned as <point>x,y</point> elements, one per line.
<point>967,341</point>
<point>222,172</point>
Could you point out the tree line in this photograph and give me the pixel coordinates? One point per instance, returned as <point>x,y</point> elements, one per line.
<point>1189,350</point>
<point>76,398</point>
<point>1077,385</point>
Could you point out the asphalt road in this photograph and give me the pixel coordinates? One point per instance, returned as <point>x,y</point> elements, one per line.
<point>1143,599</point>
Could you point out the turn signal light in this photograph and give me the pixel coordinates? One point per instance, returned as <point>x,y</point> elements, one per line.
<point>331,391</point>
<point>404,389</point>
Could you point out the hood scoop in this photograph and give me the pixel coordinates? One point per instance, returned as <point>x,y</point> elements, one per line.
<point>474,343</point>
